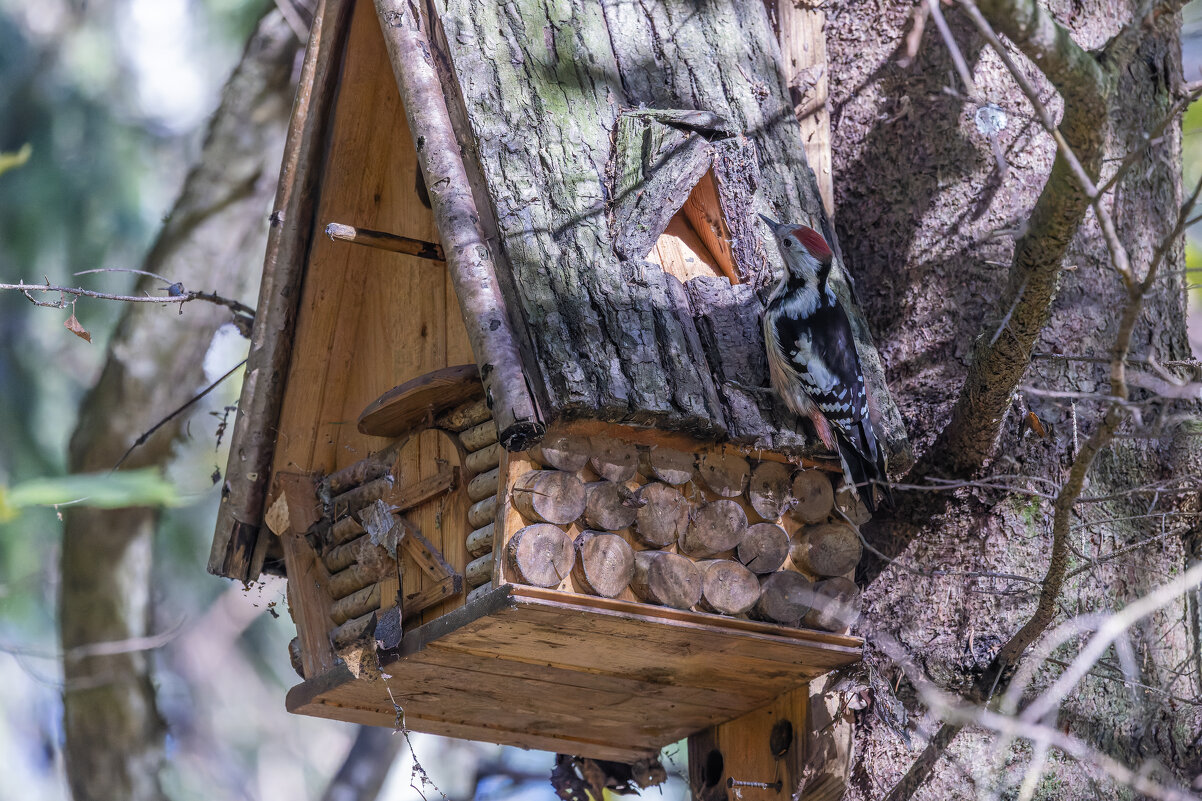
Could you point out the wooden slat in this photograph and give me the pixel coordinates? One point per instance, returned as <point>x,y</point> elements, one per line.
<point>402,408</point>
<point>310,603</point>
<point>422,600</point>
<point>385,716</point>
<point>524,670</point>
<point>404,498</point>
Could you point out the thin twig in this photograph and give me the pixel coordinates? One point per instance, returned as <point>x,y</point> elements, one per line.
<point>147,434</point>
<point>79,292</point>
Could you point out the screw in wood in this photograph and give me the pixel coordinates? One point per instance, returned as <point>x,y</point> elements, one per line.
<point>774,786</point>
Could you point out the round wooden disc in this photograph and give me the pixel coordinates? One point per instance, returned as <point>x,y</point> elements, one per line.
<point>403,408</point>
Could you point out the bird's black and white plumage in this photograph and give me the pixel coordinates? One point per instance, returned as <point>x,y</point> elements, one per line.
<point>813,362</point>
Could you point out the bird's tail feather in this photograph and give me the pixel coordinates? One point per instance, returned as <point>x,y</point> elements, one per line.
<point>867,476</point>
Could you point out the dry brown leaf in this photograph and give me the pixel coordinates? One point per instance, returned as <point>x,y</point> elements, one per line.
<point>74,327</point>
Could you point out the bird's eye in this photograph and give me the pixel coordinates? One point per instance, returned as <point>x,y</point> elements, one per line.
<point>788,243</point>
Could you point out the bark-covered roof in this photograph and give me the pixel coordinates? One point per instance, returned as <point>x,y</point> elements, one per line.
<point>549,96</point>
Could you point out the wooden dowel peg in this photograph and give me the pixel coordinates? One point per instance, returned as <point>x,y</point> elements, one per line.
<point>380,240</point>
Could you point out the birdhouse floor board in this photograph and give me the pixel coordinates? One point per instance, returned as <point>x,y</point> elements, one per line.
<point>579,674</point>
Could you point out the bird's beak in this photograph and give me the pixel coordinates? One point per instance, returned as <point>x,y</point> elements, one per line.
<point>770,221</point>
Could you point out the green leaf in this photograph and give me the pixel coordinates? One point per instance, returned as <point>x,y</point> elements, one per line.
<point>10,161</point>
<point>102,490</point>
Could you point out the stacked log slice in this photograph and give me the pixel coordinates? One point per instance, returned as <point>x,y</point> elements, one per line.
<point>725,472</point>
<point>836,605</point>
<point>662,516</point>
<point>769,489</point>
<point>764,548</point>
<point>558,452</point>
<point>610,506</point>
<point>785,597</point>
<point>604,563</point>
<point>612,459</point>
<point>667,465</point>
<point>541,554</point>
<point>715,527</point>
<point>830,549</point>
<point>667,579</point>
<point>549,496</point>
<point>727,587</point>
<point>813,496</point>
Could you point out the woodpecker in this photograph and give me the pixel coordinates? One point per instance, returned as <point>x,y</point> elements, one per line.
<point>813,362</point>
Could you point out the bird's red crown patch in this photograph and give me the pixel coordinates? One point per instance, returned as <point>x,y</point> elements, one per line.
<point>813,242</point>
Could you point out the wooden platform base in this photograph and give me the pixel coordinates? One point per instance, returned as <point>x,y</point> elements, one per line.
<point>577,674</point>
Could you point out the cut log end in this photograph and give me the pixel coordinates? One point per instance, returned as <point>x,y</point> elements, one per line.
<point>613,459</point>
<point>765,548</point>
<point>728,588</point>
<point>663,516</point>
<point>542,554</point>
<point>561,452</point>
<point>785,597</point>
<point>610,506</point>
<point>725,472</point>
<point>830,549</point>
<point>768,491</point>
<point>667,579</point>
<point>604,563</point>
<point>669,466</point>
<point>714,528</point>
<point>549,496</point>
<point>814,496</point>
<point>837,605</point>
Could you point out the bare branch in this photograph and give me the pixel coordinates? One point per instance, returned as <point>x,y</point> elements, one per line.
<point>78,292</point>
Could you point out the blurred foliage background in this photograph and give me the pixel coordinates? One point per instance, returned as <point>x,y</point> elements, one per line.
<point>110,98</point>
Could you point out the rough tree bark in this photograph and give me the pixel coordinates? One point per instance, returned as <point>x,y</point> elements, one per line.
<point>929,226</point>
<point>213,238</point>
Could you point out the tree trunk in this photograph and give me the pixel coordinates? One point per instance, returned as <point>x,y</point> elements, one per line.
<point>924,216</point>
<point>213,240</point>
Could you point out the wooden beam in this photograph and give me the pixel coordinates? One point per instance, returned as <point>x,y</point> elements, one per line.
<point>238,531</point>
<point>469,259</point>
<point>381,240</point>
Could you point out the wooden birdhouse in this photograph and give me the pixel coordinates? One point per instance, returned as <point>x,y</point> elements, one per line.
<point>503,425</point>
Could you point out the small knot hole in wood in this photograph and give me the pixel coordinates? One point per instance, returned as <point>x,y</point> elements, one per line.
<point>714,767</point>
<point>781,738</point>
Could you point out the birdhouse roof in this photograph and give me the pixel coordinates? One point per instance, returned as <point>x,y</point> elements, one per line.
<point>595,189</point>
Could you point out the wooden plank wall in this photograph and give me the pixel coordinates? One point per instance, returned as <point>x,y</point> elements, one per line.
<point>368,319</point>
